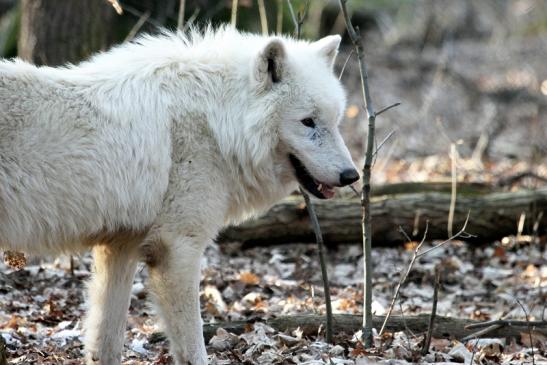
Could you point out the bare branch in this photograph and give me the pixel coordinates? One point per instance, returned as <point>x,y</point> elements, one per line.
<point>522,175</point>
<point>507,322</point>
<point>346,63</point>
<point>425,349</point>
<point>383,142</point>
<point>301,17</point>
<point>317,228</point>
<point>138,25</point>
<point>453,158</point>
<point>319,239</point>
<point>417,254</point>
<point>293,16</point>
<point>180,20</point>
<point>279,21</point>
<point>461,233</point>
<point>116,5</point>
<point>474,352</point>
<point>529,329</point>
<point>482,332</point>
<point>383,110</point>
<point>366,225</point>
<point>405,276</point>
<point>191,20</point>
<point>233,20</point>
<point>354,190</point>
<point>131,10</point>
<point>263,18</point>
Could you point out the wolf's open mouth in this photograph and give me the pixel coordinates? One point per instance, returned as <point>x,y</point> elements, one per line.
<point>317,188</point>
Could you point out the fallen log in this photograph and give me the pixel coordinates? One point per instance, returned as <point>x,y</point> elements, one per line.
<point>492,216</point>
<point>445,327</point>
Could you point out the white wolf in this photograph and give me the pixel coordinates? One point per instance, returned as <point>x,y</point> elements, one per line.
<point>146,151</point>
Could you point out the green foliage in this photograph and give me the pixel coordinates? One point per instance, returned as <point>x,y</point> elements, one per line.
<point>9,30</point>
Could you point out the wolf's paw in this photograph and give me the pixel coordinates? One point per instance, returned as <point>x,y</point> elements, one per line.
<point>198,358</point>
<point>93,358</point>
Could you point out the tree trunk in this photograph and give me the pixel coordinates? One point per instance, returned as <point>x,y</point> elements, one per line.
<point>492,216</point>
<point>55,32</point>
<point>444,327</point>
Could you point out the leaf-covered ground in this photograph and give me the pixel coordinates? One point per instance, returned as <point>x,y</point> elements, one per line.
<point>42,305</point>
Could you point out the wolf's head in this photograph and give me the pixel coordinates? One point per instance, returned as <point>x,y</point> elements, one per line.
<point>306,103</point>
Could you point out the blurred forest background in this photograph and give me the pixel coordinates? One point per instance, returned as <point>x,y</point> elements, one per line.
<point>471,76</point>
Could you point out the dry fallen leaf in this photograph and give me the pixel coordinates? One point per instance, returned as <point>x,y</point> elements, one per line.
<point>15,260</point>
<point>223,340</point>
<point>249,278</point>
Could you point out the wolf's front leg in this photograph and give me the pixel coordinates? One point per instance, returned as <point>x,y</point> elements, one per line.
<point>109,294</point>
<point>174,280</point>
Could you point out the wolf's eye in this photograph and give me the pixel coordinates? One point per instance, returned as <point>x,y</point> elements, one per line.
<point>308,122</point>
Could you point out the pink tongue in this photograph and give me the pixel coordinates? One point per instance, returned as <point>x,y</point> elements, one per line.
<point>328,193</point>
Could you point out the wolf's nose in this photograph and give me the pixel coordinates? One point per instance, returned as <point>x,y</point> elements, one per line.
<point>348,177</point>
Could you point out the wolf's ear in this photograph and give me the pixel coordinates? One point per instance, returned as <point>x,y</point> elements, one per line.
<point>328,47</point>
<point>269,64</point>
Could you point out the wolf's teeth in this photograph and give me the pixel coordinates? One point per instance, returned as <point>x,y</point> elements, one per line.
<point>320,187</point>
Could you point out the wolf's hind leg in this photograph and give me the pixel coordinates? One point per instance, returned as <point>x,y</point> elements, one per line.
<point>109,295</point>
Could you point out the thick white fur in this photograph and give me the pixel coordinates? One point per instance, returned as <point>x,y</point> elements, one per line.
<point>146,151</point>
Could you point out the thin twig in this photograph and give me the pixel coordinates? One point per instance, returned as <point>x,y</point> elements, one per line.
<point>116,5</point>
<point>515,178</point>
<point>279,20</point>
<point>71,257</point>
<point>383,142</point>
<point>131,10</point>
<point>417,254</point>
<point>383,110</point>
<point>191,20</point>
<point>474,351</point>
<point>293,16</point>
<point>481,332</point>
<point>298,20</point>
<point>233,20</point>
<point>354,190</point>
<point>138,25</point>
<point>490,326</point>
<point>507,322</point>
<point>529,329</point>
<point>461,233</point>
<point>366,225</point>
<point>425,349</point>
<point>317,231</point>
<point>403,278</point>
<point>319,239</point>
<point>263,18</point>
<point>416,225</point>
<point>180,20</point>
<point>535,227</point>
<point>453,195</point>
<point>407,328</point>
<point>346,63</point>
<point>520,226</point>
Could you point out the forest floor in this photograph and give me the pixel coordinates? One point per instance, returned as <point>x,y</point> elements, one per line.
<point>42,305</point>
